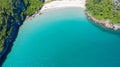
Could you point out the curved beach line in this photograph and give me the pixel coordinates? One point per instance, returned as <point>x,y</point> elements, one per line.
<point>56,4</point>
<point>63,4</point>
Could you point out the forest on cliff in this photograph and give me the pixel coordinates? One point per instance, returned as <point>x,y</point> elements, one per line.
<point>14,12</point>
<point>104,10</point>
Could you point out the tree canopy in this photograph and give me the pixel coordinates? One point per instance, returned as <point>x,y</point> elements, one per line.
<point>104,10</point>
<point>7,11</point>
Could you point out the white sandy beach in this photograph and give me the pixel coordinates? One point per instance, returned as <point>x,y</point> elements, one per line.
<point>55,4</point>
<point>63,3</point>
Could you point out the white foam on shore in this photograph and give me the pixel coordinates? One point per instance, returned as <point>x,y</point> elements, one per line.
<point>63,4</point>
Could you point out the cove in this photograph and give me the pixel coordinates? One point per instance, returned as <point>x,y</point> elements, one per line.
<point>64,38</point>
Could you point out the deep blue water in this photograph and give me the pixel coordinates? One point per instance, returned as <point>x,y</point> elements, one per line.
<point>64,38</point>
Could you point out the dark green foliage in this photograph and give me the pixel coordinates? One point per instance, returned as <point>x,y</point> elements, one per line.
<point>7,10</point>
<point>32,6</point>
<point>104,10</point>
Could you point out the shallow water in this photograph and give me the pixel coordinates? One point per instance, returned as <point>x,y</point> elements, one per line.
<point>64,38</point>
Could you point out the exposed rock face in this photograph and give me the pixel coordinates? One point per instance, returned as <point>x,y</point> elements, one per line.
<point>109,16</point>
<point>103,22</point>
<point>14,20</point>
<point>18,18</point>
<point>116,4</point>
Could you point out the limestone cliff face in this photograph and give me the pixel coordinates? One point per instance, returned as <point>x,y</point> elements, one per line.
<point>12,24</point>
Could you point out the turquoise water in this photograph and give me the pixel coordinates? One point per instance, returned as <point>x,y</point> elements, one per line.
<point>64,38</point>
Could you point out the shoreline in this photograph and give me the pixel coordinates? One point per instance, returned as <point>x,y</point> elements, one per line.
<point>63,4</point>
<point>69,4</point>
<point>104,23</point>
<point>9,42</point>
<point>58,4</point>
<point>11,39</point>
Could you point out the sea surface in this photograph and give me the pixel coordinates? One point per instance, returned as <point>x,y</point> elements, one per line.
<point>64,38</point>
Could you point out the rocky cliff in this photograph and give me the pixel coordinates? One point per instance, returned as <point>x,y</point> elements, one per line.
<point>12,16</point>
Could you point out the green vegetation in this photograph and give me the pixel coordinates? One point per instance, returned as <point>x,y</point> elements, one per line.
<point>104,10</point>
<point>32,6</point>
<point>7,11</point>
